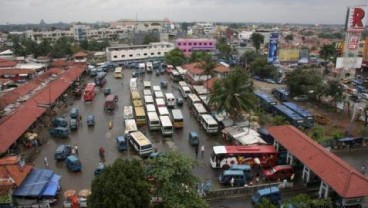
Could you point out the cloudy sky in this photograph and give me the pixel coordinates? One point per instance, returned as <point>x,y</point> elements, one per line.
<point>276,11</point>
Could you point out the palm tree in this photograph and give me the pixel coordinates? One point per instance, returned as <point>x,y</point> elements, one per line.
<point>207,65</point>
<point>233,94</point>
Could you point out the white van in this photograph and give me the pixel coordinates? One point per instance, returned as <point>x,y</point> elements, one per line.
<point>147,85</point>
<point>156,88</point>
<point>163,111</point>
<point>133,84</point>
<point>153,121</point>
<point>199,109</point>
<point>170,100</point>
<point>142,67</point>
<point>130,126</point>
<point>128,112</point>
<point>147,92</point>
<point>150,108</point>
<point>184,90</point>
<point>149,67</point>
<point>193,98</point>
<point>148,100</point>
<point>141,143</point>
<point>166,126</point>
<point>209,124</point>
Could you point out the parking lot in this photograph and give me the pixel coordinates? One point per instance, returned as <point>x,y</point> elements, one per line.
<point>89,139</point>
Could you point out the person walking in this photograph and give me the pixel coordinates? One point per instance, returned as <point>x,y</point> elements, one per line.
<point>196,151</point>
<point>46,161</point>
<point>76,149</point>
<point>202,150</point>
<point>232,182</point>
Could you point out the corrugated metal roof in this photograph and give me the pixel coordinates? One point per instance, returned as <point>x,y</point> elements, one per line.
<point>337,173</point>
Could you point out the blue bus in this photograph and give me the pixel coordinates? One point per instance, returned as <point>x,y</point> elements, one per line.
<point>265,101</point>
<point>306,115</point>
<point>281,93</point>
<point>294,118</point>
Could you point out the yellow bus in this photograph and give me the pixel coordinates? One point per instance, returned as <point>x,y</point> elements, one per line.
<point>140,115</point>
<point>118,72</point>
<point>177,118</point>
<point>135,95</point>
<point>137,103</point>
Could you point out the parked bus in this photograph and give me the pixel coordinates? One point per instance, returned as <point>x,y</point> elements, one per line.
<point>135,95</point>
<point>89,92</point>
<point>198,109</point>
<point>118,72</point>
<point>307,116</point>
<point>149,67</point>
<point>150,108</point>
<point>147,92</point>
<point>140,115</point>
<point>182,83</point>
<point>292,117</point>
<point>166,126</point>
<point>158,94</point>
<point>110,102</point>
<point>265,101</point>
<point>209,124</point>
<point>130,126</point>
<point>163,111</point>
<point>193,98</point>
<point>170,100</point>
<point>153,121</point>
<point>226,156</point>
<point>100,79</point>
<point>160,102</point>
<point>141,143</point>
<point>128,112</point>
<point>137,103</point>
<point>147,85</point>
<point>281,93</point>
<point>184,91</point>
<point>177,118</point>
<point>148,100</point>
<point>175,76</point>
<point>133,84</point>
<point>156,88</point>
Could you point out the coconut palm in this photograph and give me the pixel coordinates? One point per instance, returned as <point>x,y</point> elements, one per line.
<point>207,65</point>
<point>233,94</point>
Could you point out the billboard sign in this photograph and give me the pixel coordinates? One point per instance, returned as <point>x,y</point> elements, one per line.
<point>286,54</point>
<point>353,41</point>
<point>348,62</point>
<point>356,19</point>
<point>272,48</point>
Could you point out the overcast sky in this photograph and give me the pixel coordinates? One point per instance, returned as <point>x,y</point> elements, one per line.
<point>273,11</point>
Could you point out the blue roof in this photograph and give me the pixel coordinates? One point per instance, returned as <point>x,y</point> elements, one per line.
<point>288,112</point>
<point>303,112</point>
<point>39,182</point>
<point>240,167</point>
<point>265,97</point>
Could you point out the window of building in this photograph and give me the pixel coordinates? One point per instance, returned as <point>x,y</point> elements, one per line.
<point>185,50</point>
<point>205,44</point>
<point>115,56</point>
<point>122,56</point>
<point>200,44</point>
<point>152,53</point>
<point>184,44</point>
<point>190,44</point>
<point>138,55</point>
<point>195,44</point>
<point>210,44</point>
<point>130,55</point>
<point>179,44</point>
<point>145,54</point>
<point>189,50</point>
<point>158,53</point>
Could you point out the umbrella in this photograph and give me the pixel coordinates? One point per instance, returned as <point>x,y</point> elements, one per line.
<point>69,193</point>
<point>84,193</point>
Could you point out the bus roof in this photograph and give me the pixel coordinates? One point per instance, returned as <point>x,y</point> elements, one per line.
<point>118,69</point>
<point>130,126</point>
<point>288,112</point>
<point>183,83</point>
<point>148,99</point>
<point>135,95</point>
<point>150,108</point>
<point>140,138</point>
<point>159,94</point>
<point>128,112</point>
<point>160,101</point>
<point>194,98</point>
<point>169,95</point>
<point>303,112</point>
<point>199,107</point>
<point>137,103</point>
<point>147,92</point>
<point>147,84</point>
<point>152,115</point>
<point>163,110</point>
<point>156,88</point>
<point>176,113</point>
<point>165,121</point>
<point>139,111</point>
<point>265,97</point>
<point>110,98</point>
<point>244,149</point>
<point>209,119</point>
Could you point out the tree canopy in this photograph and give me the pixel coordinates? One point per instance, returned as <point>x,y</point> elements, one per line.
<point>174,180</point>
<point>123,184</point>
<point>303,82</point>
<point>257,40</point>
<point>198,56</point>
<point>261,68</point>
<point>328,52</point>
<point>233,94</point>
<point>175,57</point>
<point>223,48</point>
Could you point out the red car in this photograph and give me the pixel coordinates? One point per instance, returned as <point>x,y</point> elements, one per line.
<point>279,172</point>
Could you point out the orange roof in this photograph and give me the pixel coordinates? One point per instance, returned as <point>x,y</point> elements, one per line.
<point>209,83</point>
<point>7,63</point>
<point>193,68</point>
<point>59,63</point>
<point>9,168</point>
<point>221,68</point>
<point>81,54</point>
<point>338,174</point>
<point>16,71</point>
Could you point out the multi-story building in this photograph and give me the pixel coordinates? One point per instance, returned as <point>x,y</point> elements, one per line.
<point>190,45</point>
<point>136,52</point>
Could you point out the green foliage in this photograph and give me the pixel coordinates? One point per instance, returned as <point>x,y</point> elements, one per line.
<point>289,38</point>
<point>174,180</point>
<point>257,39</point>
<point>248,57</point>
<point>198,56</point>
<point>303,82</point>
<point>317,133</point>
<point>234,94</point>
<point>328,52</point>
<point>307,33</point>
<point>334,90</point>
<point>223,48</point>
<point>300,201</point>
<point>175,57</point>
<point>261,68</point>
<point>62,48</point>
<point>279,120</point>
<point>150,38</point>
<point>123,184</point>
<point>337,134</point>
<point>207,65</point>
<point>98,45</point>
<point>265,203</point>
<point>335,35</point>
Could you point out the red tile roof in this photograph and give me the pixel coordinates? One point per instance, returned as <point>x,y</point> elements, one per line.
<point>10,169</point>
<point>59,63</point>
<point>7,63</point>
<point>337,173</point>
<point>193,68</point>
<point>209,83</point>
<point>16,71</point>
<point>221,69</point>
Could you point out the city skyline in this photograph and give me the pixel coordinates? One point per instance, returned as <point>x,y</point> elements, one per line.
<point>257,11</point>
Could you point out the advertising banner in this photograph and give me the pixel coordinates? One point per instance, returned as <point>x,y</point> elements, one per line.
<point>288,54</point>
<point>353,41</point>
<point>272,48</point>
<point>356,19</point>
<point>348,62</point>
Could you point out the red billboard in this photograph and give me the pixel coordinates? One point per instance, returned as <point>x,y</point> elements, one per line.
<point>356,19</point>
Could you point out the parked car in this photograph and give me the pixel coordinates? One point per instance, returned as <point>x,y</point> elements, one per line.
<point>59,122</point>
<point>271,193</point>
<point>279,172</point>
<point>74,113</point>
<point>100,168</point>
<point>193,138</point>
<point>62,152</point>
<point>121,142</point>
<point>301,98</point>
<point>73,124</point>
<point>90,120</point>
<point>237,175</point>
<point>60,132</point>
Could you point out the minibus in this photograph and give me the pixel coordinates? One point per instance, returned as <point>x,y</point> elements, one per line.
<point>140,115</point>
<point>163,111</point>
<point>170,100</point>
<point>148,100</point>
<point>153,121</point>
<point>177,118</point>
<point>209,124</point>
<point>166,126</point>
<point>141,143</point>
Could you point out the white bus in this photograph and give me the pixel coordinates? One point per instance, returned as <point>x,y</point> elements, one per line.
<point>184,90</point>
<point>149,67</point>
<point>147,85</point>
<point>130,126</point>
<point>193,98</point>
<point>133,84</point>
<point>175,76</point>
<point>182,83</point>
<point>141,143</point>
<point>150,108</point>
<point>199,109</point>
<point>147,92</point>
<point>118,72</point>
<point>160,102</point>
<point>163,111</point>
<point>209,124</point>
<point>156,88</point>
<point>177,118</point>
<point>159,94</point>
<point>153,121</point>
<point>141,67</point>
<point>128,112</point>
<point>166,126</point>
<point>170,100</point>
<point>148,100</point>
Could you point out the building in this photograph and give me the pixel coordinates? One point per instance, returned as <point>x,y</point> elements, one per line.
<point>190,45</point>
<point>136,52</point>
<point>195,73</point>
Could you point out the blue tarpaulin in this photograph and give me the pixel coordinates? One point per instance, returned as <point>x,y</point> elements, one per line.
<point>39,182</point>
